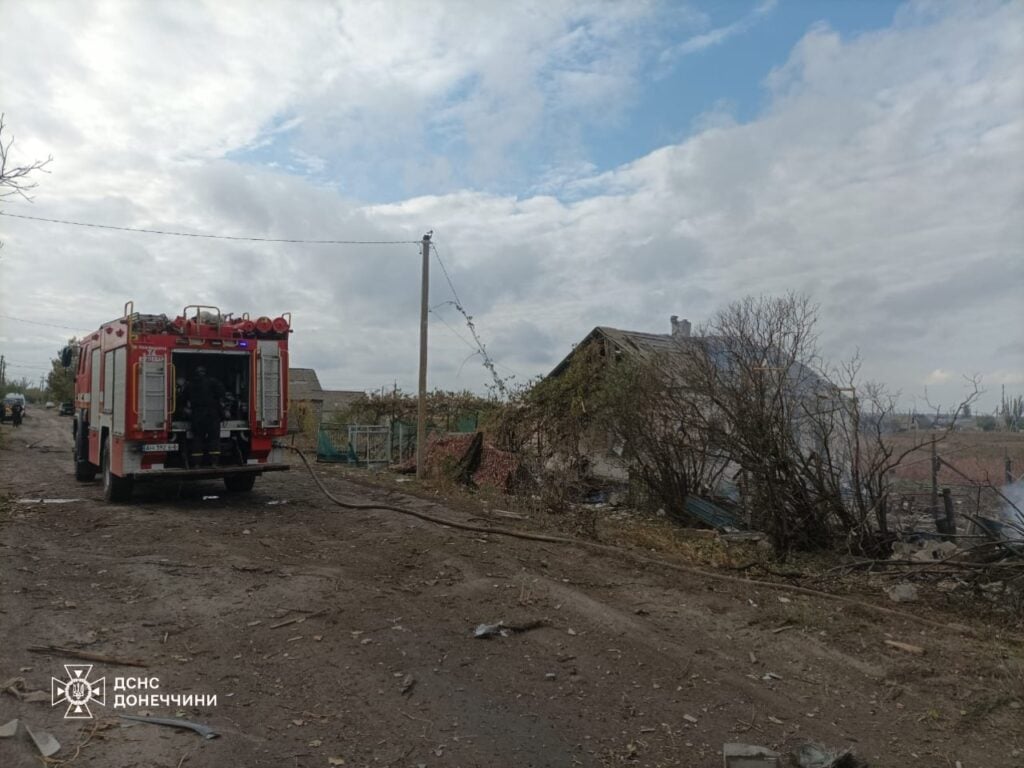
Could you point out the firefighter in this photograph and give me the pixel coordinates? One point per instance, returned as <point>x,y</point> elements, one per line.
<point>205,397</point>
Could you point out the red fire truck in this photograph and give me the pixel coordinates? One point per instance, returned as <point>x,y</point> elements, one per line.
<point>132,414</point>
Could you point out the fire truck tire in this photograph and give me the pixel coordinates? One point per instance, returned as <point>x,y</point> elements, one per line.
<point>85,471</point>
<point>114,488</point>
<point>239,483</point>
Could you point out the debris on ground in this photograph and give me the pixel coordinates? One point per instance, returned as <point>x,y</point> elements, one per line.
<point>18,688</point>
<point>57,650</point>
<point>902,593</point>
<point>297,619</point>
<point>504,630</point>
<point>817,756</point>
<point>750,756</point>
<point>408,682</point>
<point>915,649</point>
<point>47,501</point>
<point>923,549</point>
<point>717,516</point>
<point>469,459</point>
<point>45,742</point>
<point>203,730</point>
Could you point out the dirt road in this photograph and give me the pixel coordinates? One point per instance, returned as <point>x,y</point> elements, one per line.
<point>635,665</point>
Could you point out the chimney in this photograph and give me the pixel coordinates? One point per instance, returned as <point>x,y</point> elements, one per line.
<point>680,328</point>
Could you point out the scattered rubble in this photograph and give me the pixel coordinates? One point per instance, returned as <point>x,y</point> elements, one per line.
<point>907,647</point>
<point>505,630</point>
<point>171,722</point>
<point>18,688</point>
<point>902,593</point>
<point>750,756</point>
<point>924,549</point>
<point>44,742</point>
<point>817,756</point>
<point>468,458</point>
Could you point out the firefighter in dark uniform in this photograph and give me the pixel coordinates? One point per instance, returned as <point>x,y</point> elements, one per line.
<point>205,397</point>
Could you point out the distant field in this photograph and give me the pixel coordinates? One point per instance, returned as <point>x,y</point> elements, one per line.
<point>979,455</point>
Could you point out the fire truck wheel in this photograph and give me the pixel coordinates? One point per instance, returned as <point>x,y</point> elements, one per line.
<point>114,488</point>
<point>85,471</point>
<point>239,483</point>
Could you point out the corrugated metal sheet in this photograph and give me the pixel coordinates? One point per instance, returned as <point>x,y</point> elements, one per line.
<point>712,514</point>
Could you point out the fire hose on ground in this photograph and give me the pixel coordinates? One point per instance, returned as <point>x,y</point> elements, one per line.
<point>610,549</point>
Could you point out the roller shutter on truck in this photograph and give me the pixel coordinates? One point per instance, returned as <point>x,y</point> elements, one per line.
<point>269,408</point>
<point>95,392</point>
<point>152,390</point>
<point>120,386</point>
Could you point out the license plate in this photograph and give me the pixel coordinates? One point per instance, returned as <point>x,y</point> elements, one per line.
<point>159,447</point>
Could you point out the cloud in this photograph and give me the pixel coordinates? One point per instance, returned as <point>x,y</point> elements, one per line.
<point>719,35</point>
<point>882,178</point>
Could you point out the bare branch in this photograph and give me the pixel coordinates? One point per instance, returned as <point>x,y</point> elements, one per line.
<point>14,179</point>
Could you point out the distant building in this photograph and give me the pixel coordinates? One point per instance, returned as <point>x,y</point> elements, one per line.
<point>309,404</point>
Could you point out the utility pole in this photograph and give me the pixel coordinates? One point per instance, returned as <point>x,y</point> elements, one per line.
<point>3,371</point>
<point>421,411</point>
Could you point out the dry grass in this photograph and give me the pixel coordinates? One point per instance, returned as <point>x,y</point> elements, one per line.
<point>663,536</point>
<point>979,455</point>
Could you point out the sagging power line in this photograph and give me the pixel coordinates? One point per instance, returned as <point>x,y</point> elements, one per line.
<point>488,362</point>
<point>38,322</point>
<point>245,238</point>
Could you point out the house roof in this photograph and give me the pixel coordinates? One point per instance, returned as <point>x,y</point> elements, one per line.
<point>648,346</point>
<point>645,345</point>
<point>303,384</point>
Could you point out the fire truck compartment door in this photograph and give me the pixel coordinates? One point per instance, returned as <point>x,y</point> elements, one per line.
<point>269,391</point>
<point>95,393</point>
<point>116,362</point>
<point>152,391</point>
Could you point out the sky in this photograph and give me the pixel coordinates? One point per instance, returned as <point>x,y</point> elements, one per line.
<point>579,163</point>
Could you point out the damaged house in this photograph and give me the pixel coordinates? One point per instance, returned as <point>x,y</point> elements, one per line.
<point>656,416</point>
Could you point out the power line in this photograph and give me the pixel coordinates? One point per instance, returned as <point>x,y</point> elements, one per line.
<point>37,322</point>
<point>447,277</point>
<point>488,361</point>
<point>211,237</point>
<point>23,364</point>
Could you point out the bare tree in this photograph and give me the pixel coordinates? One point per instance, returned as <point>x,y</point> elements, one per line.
<point>751,375</point>
<point>14,179</point>
<point>647,414</point>
<point>859,457</point>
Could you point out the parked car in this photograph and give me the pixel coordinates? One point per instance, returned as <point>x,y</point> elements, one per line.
<point>50,404</point>
<point>67,408</point>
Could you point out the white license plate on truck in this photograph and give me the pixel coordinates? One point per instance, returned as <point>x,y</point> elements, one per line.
<point>159,447</point>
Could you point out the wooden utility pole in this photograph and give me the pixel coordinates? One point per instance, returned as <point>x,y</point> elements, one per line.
<point>421,411</point>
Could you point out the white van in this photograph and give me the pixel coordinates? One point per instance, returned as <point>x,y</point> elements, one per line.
<point>9,400</point>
